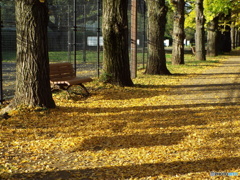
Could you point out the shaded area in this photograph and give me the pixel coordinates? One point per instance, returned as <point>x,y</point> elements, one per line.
<point>138,171</point>
<point>179,108</point>
<point>226,135</point>
<point>159,116</point>
<point>226,86</point>
<point>131,141</point>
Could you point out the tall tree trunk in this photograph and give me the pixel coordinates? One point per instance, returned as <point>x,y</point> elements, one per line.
<point>233,35</point>
<point>199,37</point>
<point>178,32</point>
<point>212,38</point>
<point>157,11</point>
<point>32,69</point>
<point>115,37</point>
<point>224,39</point>
<point>238,38</point>
<point>227,39</point>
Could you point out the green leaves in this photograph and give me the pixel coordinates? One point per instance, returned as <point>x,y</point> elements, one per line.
<point>212,8</point>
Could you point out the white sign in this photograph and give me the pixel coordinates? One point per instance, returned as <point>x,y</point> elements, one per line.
<point>92,41</point>
<point>167,42</point>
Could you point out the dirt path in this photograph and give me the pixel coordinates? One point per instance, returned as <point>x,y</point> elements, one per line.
<point>218,85</point>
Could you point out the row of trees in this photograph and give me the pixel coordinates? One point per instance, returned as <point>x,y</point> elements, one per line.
<point>207,15</point>
<point>33,87</point>
<point>214,20</point>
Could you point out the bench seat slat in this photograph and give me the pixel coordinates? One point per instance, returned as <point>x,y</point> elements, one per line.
<point>70,82</point>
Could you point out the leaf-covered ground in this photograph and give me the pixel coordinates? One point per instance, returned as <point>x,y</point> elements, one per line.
<point>166,127</point>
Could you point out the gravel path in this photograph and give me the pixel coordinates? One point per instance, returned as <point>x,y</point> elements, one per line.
<point>218,85</point>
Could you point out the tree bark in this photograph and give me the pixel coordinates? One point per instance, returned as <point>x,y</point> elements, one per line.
<point>233,36</point>
<point>199,37</point>
<point>157,11</point>
<point>115,36</point>
<point>178,32</point>
<point>32,68</point>
<point>212,38</point>
<point>224,40</point>
<point>238,38</point>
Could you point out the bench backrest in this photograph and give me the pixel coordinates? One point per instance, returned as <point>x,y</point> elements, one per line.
<point>61,71</point>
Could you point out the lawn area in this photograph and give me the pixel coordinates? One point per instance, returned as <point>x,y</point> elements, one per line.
<point>56,56</point>
<point>130,133</point>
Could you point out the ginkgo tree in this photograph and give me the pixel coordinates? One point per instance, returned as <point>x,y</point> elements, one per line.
<point>178,34</point>
<point>219,16</point>
<point>115,37</point>
<point>157,11</point>
<point>32,66</point>
<point>200,53</point>
<point>214,11</point>
<point>235,23</point>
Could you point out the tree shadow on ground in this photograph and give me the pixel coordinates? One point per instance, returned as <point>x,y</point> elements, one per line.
<point>136,92</point>
<point>234,53</point>
<point>177,108</point>
<point>71,126</point>
<point>187,86</point>
<point>217,74</point>
<point>130,141</point>
<point>138,171</point>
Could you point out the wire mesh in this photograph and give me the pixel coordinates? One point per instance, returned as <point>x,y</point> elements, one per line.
<point>62,28</point>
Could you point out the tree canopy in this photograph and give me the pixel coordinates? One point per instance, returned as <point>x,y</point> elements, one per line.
<point>213,8</point>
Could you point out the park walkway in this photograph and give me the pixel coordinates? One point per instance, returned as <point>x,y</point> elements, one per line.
<point>217,85</point>
<point>186,133</point>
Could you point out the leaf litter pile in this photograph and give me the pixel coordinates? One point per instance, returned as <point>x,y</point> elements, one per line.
<point>136,132</point>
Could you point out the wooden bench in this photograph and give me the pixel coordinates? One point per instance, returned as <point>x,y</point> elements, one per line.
<point>193,50</point>
<point>62,76</point>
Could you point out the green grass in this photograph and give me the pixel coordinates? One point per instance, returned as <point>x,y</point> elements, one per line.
<point>9,56</point>
<point>57,56</point>
<point>91,57</point>
<point>60,56</point>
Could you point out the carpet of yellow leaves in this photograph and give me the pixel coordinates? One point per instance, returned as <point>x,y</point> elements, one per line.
<point>123,133</point>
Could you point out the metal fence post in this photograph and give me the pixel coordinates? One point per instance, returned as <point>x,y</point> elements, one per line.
<point>69,36</point>
<point>144,32</point>
<point>1,77</point>
<point>84,34</point>
<point>75,34</point>
<point>98,38</point>
<point>134,5</point>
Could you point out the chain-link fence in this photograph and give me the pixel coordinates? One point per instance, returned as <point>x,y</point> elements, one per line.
<point>8,31</point>
<point>73,32</point>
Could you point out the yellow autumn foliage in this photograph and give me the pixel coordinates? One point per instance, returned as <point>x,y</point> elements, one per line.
<point>139,132</point>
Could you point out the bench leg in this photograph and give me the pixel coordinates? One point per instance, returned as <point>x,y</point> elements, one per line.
<point>68,91</point>
<point>85,89</point>
<point>82,86</point>
<point>66,88</point>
